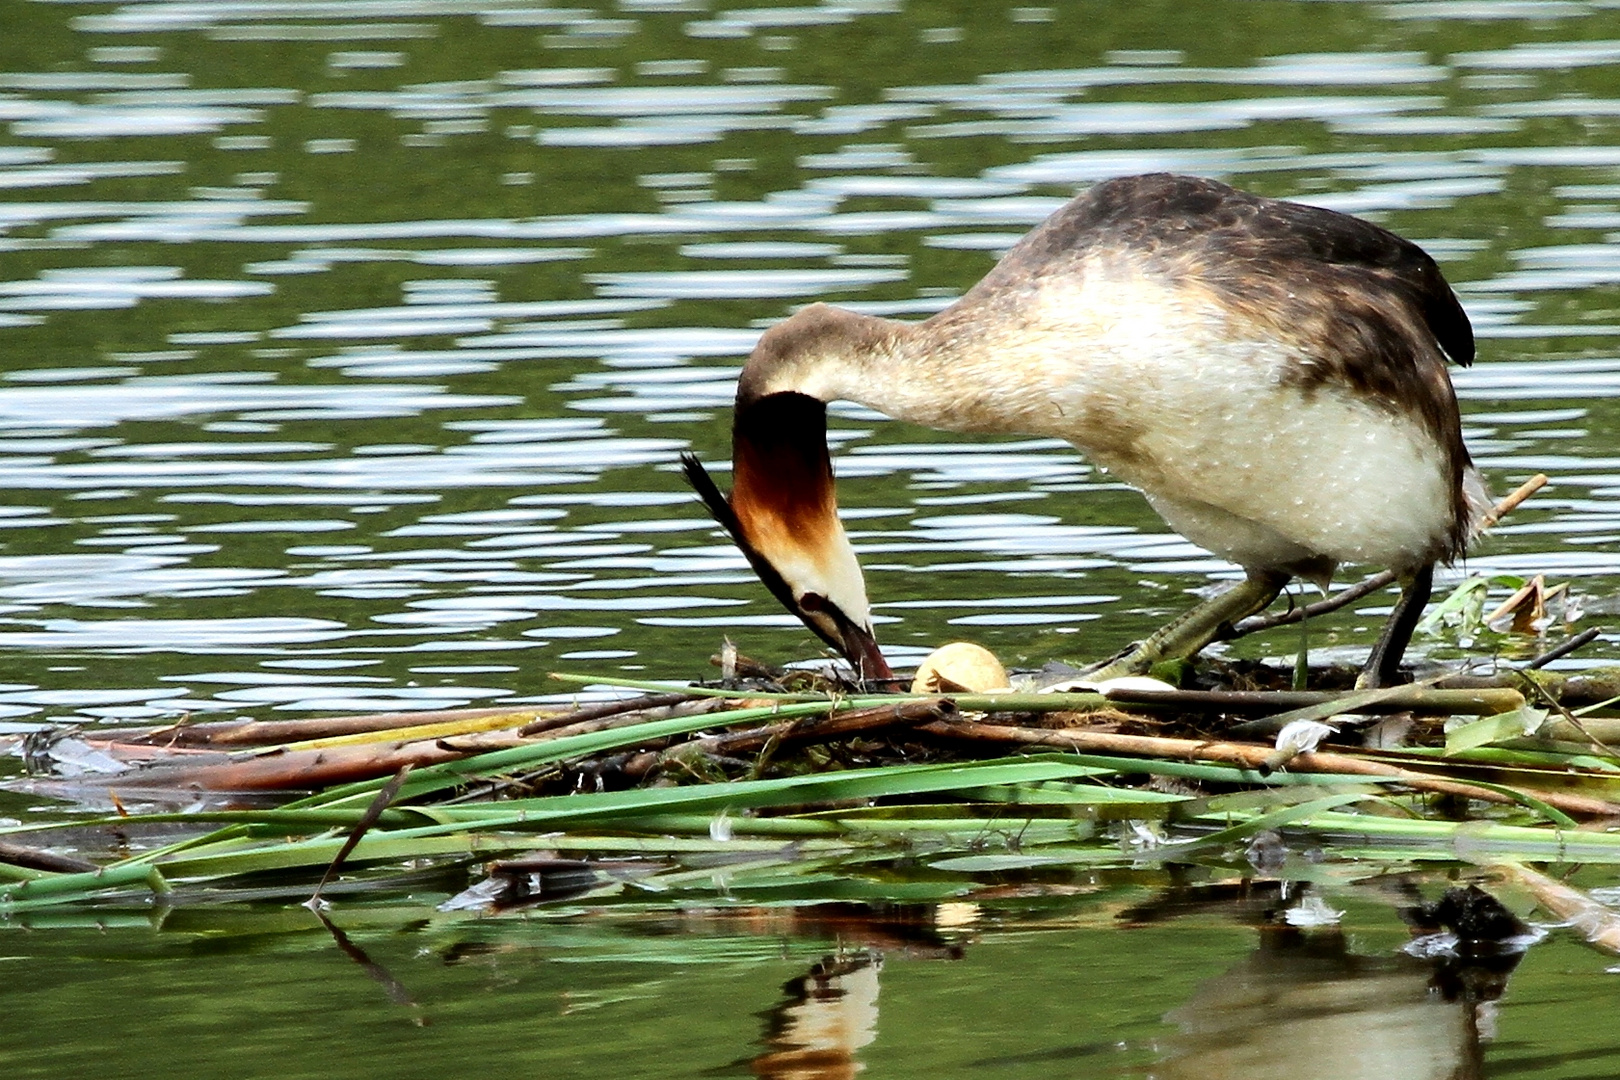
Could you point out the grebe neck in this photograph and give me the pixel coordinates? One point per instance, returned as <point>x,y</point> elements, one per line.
<point>939,373</point>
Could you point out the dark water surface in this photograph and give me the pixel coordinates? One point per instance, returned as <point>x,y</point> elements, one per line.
<point>346,350</point>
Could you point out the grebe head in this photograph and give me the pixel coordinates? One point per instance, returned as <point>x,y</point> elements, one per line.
<point>783,512</point>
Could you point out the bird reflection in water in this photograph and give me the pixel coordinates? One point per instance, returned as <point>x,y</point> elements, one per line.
<point>829,1013</point>
<point>1302,1004</point>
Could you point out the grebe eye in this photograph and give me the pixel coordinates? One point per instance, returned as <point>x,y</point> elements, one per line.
<point>813,602</point>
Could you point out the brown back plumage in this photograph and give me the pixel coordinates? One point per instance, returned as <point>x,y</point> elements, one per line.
<point>1369,311</point>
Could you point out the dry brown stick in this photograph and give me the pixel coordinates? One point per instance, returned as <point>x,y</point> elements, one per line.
<point>1381,580</point>
<point>288,770</point>
<point>1252,756</point>
<point>382,801</point>
<point>276,732</point>
<point>244,733</point>
<point>1409,698</point>
<point>1510,502</point>
<point>279,770</point>
<point>38,859</point>
<point>807,729</point>
<point>1564,648</point>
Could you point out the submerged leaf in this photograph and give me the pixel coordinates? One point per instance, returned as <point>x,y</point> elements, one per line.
<point>1460,614</point>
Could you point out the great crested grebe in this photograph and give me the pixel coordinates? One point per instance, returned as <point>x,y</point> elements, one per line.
<point>1271,376</point>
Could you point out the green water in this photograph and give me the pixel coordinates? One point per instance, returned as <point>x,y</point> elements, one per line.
<point>1054,991</point>
<point>346,351</point>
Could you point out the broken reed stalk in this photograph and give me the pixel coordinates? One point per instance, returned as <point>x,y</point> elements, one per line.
<point>506,740</point>
<point>326,766</point>
<point>1253,756</point>
<point>1382,580</point>
<point>289,770</point>
<point>608,708</point>
<point>248,733</point>
<point>384,799</point>
<point>234,734</point>
<point>1510,502</point>
<point>581,723</point>
<point>1574,689</point>
<point>1481,701</point>
<point>1598,924</point>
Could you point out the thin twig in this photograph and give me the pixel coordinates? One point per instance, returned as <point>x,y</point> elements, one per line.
<point>1558,652</point>
<point>1256,623</point>
<point>38,859</point>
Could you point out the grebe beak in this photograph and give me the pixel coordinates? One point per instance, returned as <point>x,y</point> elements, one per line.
<point>855,641</point>
<point>783,515</point>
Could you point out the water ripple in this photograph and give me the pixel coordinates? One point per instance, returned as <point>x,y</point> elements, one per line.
<point>383,353</point>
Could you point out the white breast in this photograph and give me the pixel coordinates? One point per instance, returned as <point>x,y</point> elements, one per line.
<point>1177,399</point>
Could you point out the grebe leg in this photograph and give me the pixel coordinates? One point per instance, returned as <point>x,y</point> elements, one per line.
<point>1190,632</point>
<point>1384,662</point>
